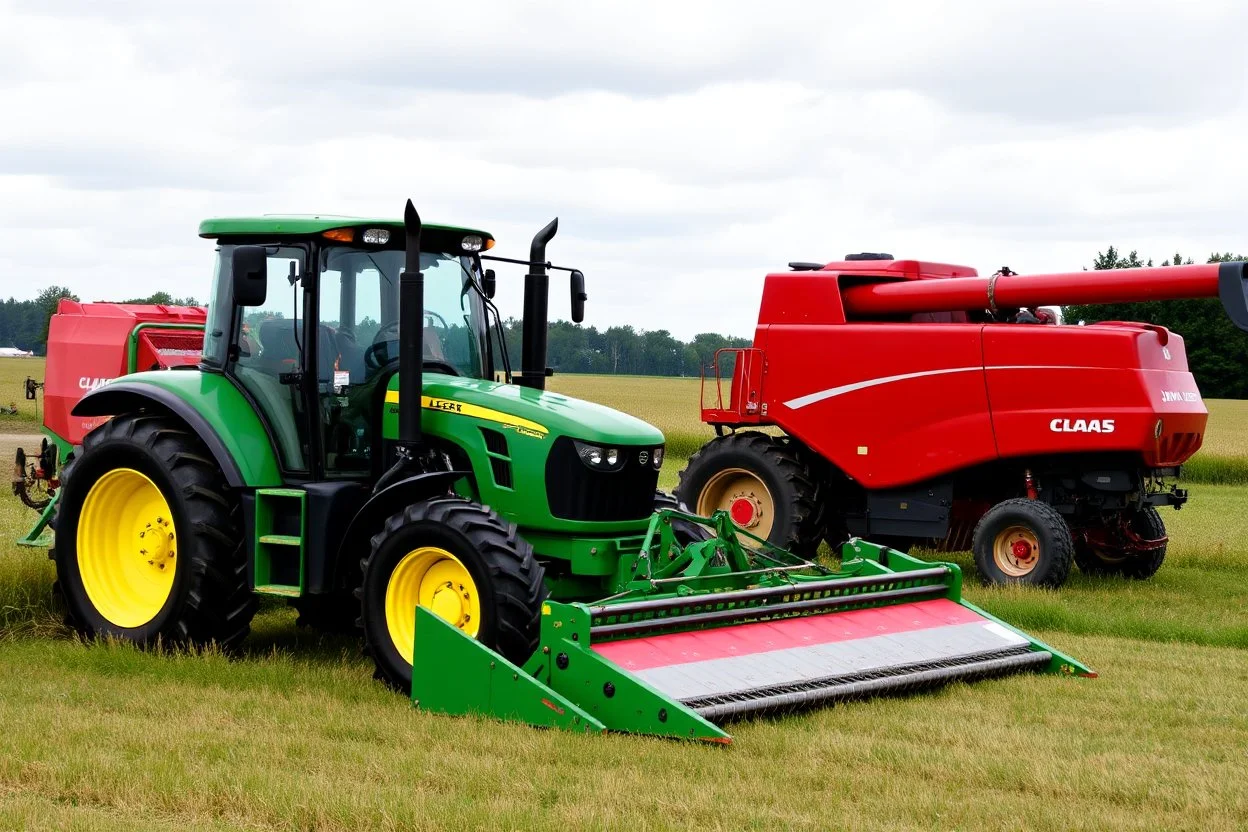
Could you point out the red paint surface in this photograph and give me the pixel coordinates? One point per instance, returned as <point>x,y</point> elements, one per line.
<point>87,345</point>
<point>767,636</point>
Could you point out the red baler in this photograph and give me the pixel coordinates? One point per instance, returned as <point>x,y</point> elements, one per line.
<point>920,401</point>
<point>90,344</point>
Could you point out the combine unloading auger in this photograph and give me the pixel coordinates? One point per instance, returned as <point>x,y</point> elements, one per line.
<point>725,628</point>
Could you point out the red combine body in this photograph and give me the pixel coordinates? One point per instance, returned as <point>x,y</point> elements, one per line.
<point>918,403</point>
<point>90,344</point>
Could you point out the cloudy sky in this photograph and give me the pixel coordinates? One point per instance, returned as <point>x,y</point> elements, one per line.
<point>687,147</point>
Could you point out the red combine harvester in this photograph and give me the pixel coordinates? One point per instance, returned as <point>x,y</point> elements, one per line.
<point>923,403</point>
<point>90,344</point>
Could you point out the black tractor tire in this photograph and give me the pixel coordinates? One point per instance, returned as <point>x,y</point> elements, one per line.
<point>1146,523</point>
<point>1041,526</point>
<point>788,482</point>
<point>210,599</point>
<point>508,579</point>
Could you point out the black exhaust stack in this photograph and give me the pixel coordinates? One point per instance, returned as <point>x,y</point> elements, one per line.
<point>536,297</point>
<point>411,335</point>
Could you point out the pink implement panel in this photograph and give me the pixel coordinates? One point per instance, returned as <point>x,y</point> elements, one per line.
<point>767,636</point>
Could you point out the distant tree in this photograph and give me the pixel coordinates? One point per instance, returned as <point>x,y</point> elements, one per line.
<point>46,303</point>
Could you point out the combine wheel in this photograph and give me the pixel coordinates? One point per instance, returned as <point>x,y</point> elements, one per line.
<point>149,542</point>
<point>461,561</point>
<point>761,483</point>
<point>1135,550</point>
<point>1023,541</point>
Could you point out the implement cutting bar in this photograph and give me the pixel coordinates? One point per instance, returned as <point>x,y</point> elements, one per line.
<point>746,614</point>
<point>762,594</point>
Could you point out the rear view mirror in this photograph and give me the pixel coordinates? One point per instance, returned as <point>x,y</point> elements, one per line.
<point>488,283</point>
<point>250,267</point>
<point>578,297</point>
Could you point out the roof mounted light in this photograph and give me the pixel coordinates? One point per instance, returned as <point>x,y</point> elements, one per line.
<point>341,235</point>
<point>473,243</point>
<point>376,236</point>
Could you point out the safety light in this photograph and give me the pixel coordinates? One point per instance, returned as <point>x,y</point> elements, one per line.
<point>341,235</point>
<point>376,236</point>
<point>657,459</point>
<point>473,243</point>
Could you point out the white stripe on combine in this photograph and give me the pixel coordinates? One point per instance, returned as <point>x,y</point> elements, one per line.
<point>833,392</point>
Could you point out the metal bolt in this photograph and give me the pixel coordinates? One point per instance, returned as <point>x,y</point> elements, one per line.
<point>152,562</point>
<point>662,714</point>
<point>561,661</point>
<point>576,636</point>
<point>142,533</point>
<point>546,650</point>
<point>142,551</point>
<point>608,690</point>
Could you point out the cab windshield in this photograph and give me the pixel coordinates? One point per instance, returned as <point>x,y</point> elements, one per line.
<point>359,300</point>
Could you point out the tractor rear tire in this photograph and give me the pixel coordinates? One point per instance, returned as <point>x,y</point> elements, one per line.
<point>460,560</point>
<point>1146,523</point>
<point>149,544</point>
<point>1023,541</point>
<point>762,482</point>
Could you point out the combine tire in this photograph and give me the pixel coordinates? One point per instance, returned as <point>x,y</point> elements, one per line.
<point>1145,524</point>
<point>460,560</point>
<point>762,483</point>
<point>149,543</point>
<point>1023,541</point>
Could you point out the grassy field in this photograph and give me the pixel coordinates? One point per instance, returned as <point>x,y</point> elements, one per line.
<point>295,735</point>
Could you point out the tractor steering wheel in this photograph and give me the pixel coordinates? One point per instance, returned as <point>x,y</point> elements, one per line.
<point>380,345</point>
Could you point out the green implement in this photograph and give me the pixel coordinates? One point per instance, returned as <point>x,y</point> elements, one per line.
<point>727,627</point>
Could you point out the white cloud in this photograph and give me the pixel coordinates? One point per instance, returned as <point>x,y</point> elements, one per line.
<point>687,147</point>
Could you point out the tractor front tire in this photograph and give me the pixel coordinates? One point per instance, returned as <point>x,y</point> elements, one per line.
<point>149,542</point>
<point>461,561</point>
<point>762,483</point>
<point>1023,541</point>
<point>1147,524</point>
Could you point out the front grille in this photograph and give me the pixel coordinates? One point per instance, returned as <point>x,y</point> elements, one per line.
<point>577,493</point>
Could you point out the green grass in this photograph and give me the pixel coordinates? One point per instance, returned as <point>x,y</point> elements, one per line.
<point>295,735</point>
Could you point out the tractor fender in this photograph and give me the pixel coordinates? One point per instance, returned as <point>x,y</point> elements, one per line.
<point>128,397</point>
<point>390,500</point>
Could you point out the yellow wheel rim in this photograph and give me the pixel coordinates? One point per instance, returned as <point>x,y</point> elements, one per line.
<point>433,578</point>
<point>1016,551</point>
<point>127,548</point>
<point>743,495</point>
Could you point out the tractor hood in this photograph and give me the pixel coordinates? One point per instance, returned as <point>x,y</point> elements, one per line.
<point>535,410</point>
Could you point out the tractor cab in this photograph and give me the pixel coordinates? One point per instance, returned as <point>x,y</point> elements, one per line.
<point>316,353</point>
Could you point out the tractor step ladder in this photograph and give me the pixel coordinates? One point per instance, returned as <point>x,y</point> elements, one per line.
<point>281,521</point>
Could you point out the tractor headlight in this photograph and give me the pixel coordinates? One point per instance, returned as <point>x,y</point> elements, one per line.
<point>657,459</point>
<point>473,243</point>
<point>376,236</point>
<point>599,458</point>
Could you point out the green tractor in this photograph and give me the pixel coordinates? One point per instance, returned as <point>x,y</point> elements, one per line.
<point>504,549</point>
